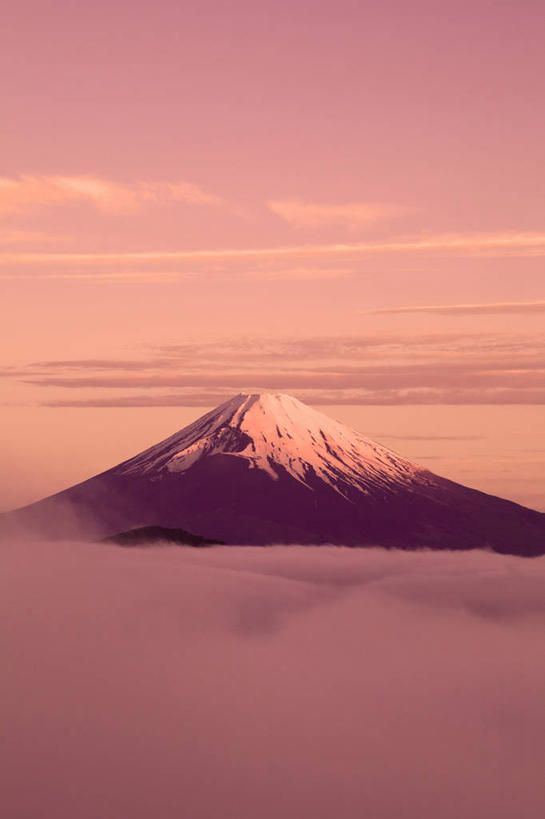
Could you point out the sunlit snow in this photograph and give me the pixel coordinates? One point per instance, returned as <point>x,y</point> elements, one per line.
<point>273,431</point>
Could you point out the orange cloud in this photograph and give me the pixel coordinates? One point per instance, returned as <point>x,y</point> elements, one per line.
<point>18,194</point>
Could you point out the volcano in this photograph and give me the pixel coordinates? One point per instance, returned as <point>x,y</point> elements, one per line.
<point>265,468</point>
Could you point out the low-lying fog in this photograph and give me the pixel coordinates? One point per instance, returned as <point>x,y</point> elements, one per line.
<point>270,683</point>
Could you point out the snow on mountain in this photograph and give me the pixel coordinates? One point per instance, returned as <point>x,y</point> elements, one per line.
<point>274,432</point>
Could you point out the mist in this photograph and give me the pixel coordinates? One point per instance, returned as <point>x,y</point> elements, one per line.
<point>285,682</point>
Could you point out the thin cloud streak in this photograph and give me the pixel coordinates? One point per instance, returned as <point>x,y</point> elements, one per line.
<point>302,273</point>
<point>205,400</point>
<point>170,276</point>
<point>142,277</point>
<point>342,347</point>
<point>417,397</point>
<point>462,243</point>
<point>395,437</point>
<point>352,215</point>
<point>107,364</point>
<point>385,377</point>
<point>465,309</point>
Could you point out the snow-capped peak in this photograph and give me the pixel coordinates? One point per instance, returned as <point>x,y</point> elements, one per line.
<point>275,432</point>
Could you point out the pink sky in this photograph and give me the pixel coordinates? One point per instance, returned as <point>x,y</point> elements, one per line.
<point>202,199</point>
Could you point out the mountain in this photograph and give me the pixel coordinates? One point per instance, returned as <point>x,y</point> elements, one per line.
<point>265,468</point>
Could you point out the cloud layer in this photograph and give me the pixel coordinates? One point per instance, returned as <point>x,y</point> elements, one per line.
<point>470,309</point>
<point>298,682</point>
<point>388,369</point>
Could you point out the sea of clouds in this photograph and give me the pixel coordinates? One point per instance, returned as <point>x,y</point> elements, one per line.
<point>268,683</point>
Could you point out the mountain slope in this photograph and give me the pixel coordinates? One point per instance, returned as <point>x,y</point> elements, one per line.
<point>265,468</point>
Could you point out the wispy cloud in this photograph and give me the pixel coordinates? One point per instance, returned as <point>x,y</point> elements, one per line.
<point>453,244</point>
<point>312,273</point>
<point>433,384</point>
<point>198,399</point>
<point>441,368</point>
<point>397,356</point>
<point>166,276</point>
<point>19,194</point>
<point>464,309</point>
<point>352,215</point>
<point>434,376</point>
<point>105,364</point>
<point>321,398</point>
<point>127,276</point>
<point>395,437</point>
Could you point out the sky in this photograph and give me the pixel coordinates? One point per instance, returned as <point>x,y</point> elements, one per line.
<point>342,201</point>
